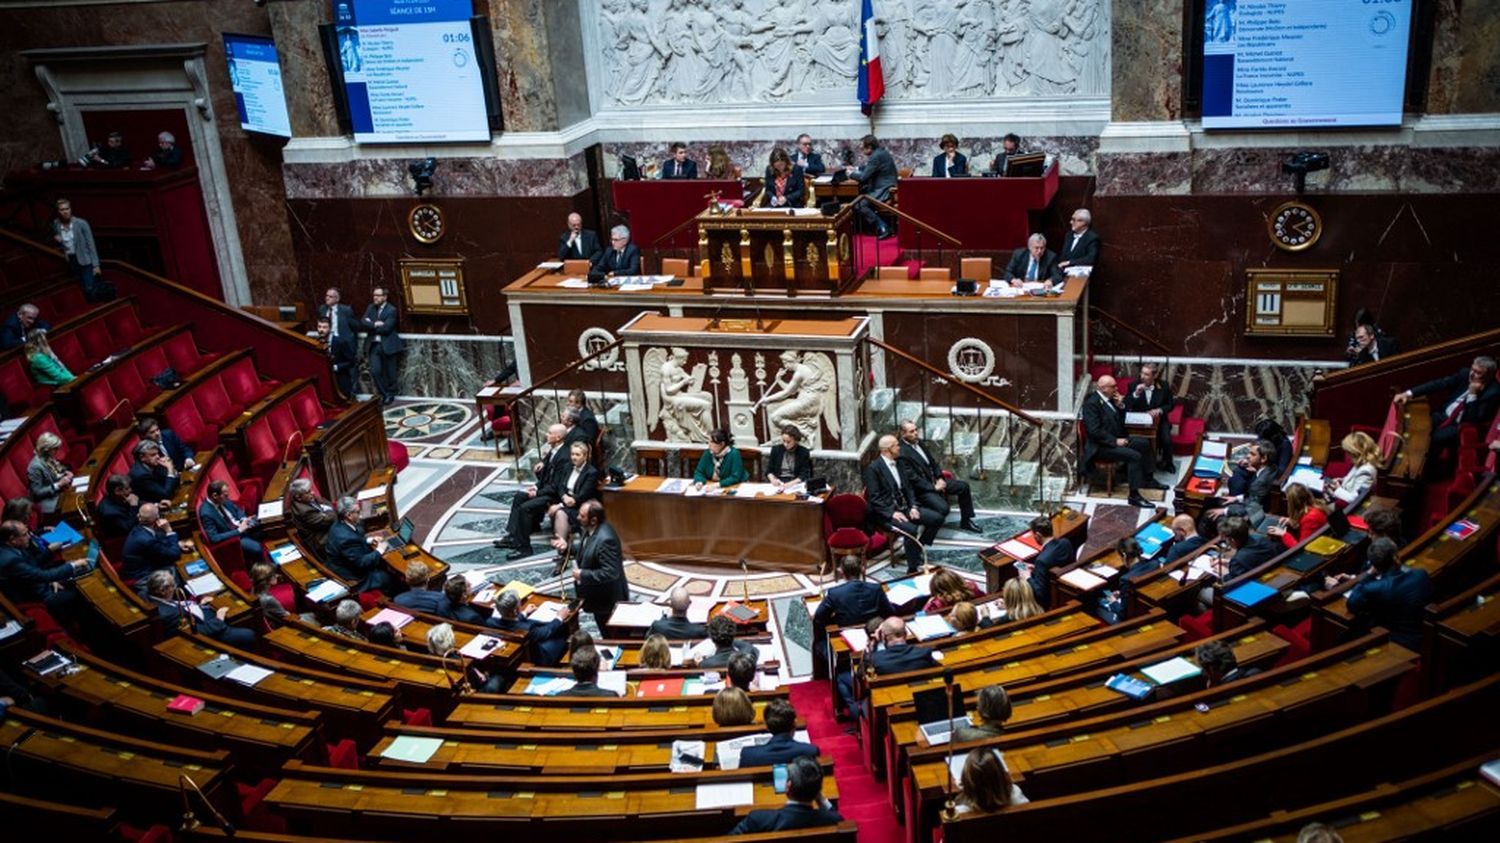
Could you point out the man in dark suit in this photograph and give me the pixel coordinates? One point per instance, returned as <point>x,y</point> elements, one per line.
<point>311,515</point>
<point>1257,477</point>
<point>600,575</point>
<point>528,506</point>
<point>852,602</point>
<point>781,722</point>
<point>161,588</point>
<point>151,546</point>
<point>676,626</point>
<point>1153,395</point>
<point>1009,145</point>
<point>1391,595</point>
<point>340,316</point>
<point>153,477</point>
<point>1248,550</point>
<point>805,806</point>
<point>587,423</point>
<point>1186,538</point>
<point>678,165</point>
<point>578,243</point>
<point>896,654</point>
<point>418,597</point>
<point>1369,345</point>
<point>384,346</point>
<point>585,665</point>
<point>933,489</point>
<point>1219,663</point>
<point>950,163</point>
<point>1034,263</point>
<point>1467,397</point>
<point>13,331</point>
<point>1103,419</point>
<point>804,157</point>
<point>621,258</point>
<point>894,506</point>
<point>222,519</point>
<point>24,578</point>
<point>1056,551</point>
<point>349,555</point>
<point>341,357</point>
<point>1081,245</point>
<point>548,641</point>
<point>721,630</point>
<point>877,178</point>
<point>170,443</point>
<point>114,515</point>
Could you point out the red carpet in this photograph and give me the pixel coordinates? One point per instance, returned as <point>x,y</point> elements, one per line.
<point>861,798</point>
<point>869,251</point>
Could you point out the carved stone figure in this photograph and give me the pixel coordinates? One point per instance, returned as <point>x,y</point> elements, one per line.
<point>676,396</point>
<point>804,395</point>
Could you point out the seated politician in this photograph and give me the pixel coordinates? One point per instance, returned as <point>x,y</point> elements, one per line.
<point>1009,145</point>
<point>569,491</point>
<point>1469,396</point>
<point>676,626</point>
<point>789,460</point>
<point>786,186</point>
<point>151,546</point>
<point>679,165</point>
<point>621,258</point>
<point>721,630</point>
<point>949,163</point>
<point>781,722</point>
<point>1151,394</point>
<point>1080,247</point>
<point>578,243</point>
<point>29,576</point>
<point>114,515</point>
<point>196,615</point>
<point>350,555</point>
<point>721,463</point>
<point>548,641</point>
<point>805,806</point>
<point>419,596</point>
<point>1389,594</point>
<point>222,520</point>
<point>1057,551</point>
<point>153,476</point>
<point>804,157</point>
<point>585,666</point>
<point>895,506</point>
<point>1034,263</point>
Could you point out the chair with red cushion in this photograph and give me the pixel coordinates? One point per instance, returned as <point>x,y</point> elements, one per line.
<point>69,349</point>
<point>261,449</point>
<point>125,327</point>
<point>12,483</point>
<point>184,420</point>
<point>416,716</point>
<point>17,388</point>
<point>68,299</point>
<point>843,516</point>
<point>128,383</point>
<point>214,403</point>
<point>244,385</point>
<point>285,595</point>
<point>1198,627</point>
<point>183,356</point>
<point>307,410</point>
<point>252,808</point>
<point>343,755</point>
<point>1295,636</point>
<point>399,456</point>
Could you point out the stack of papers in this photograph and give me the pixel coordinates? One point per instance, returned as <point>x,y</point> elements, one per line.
<point>1308,475</point>
<point>1151,537</point>
<point>1082,580</point>
<point>550,265</point>
<point>1203,565</point>
<point>204,585</point>
<point>1214,448</point>
<point>574,284</point>
<point>612,680</point>
<point>547,612</point>
<point>636,614</point>
<point>694,749</point>
<point>248,674</point>
<point>1134,419</point>
<point>81,483</point>
<point>326,590</point>
<point>394,617</point>
<point>369,494</point>
<point>904,591</point>
<point>480,646</point>
<point>1208,467</point>
<point>1171,670</point>
<point>928,627</point>
<point>285,553</point>
<point>856,638</point>
<point>1017,550</point>
<point>674,486</point>
<point>412,750</point>
<point>549,686</point>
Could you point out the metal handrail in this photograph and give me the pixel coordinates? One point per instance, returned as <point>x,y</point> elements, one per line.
<point>1118,322</point>
<point>956,243</point>
<point>978,393</point>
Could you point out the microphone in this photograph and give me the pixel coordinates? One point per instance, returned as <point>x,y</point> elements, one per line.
<point>745,580</point>
<point>190,818</point>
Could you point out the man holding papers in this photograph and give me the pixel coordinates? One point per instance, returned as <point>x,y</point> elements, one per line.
<point>1152,395</point>
<point>1103,418</point>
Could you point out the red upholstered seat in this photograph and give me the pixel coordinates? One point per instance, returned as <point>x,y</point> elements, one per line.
<point>96,340</point>
<point>70,351</point>
<point>262,449</point>
<point>125,327</point>
<point>184,420</point>
<point>1297,637</point>
<point>183,355</point>
<point>19,391</point>
<point>285,595</point>
<point>64,300</point>
<point>243,385</point>
<point>416,716</point>
<point>343,755</point>
<point>1185,440</point>
<point>283,424</point>
<point>214,403</point>
<point>369,599</point>
<point>843,516</point>
<point>307,410</point>
<point>129,384</point>
<point>1198,627</point>
<point>848,540</point>
<point>12,483</point>
<point>399,456</point>
<point>257,818</point>
<point>97,398</point>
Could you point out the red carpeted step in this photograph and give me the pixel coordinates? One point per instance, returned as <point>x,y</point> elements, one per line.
<point>861,799</point>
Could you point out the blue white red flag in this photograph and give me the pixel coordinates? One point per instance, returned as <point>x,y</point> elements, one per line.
<point>871,80</point>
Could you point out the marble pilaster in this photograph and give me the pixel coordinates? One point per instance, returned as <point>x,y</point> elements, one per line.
<point>309,91</point>
<point>1146,75</point>
<point>1465,73</point>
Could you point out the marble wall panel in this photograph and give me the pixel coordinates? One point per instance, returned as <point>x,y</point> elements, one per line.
<point>525,70</point>
<point>1146,78</point>
<point>1023,349</point>
<point>441,368</point>
<point>309,90</point>
<point>1465,76</point>
<point>370,178</point>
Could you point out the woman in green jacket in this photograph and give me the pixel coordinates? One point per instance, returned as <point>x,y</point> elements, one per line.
<point>721,463</point>
<point>46,369</point>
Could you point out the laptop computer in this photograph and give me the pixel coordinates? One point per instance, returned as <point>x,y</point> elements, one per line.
<point>936,721</point>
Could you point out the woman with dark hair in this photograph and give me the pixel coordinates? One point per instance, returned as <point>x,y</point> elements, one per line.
<point>1271,431</point>
<point>950,162</point>
<point>1305,515</point>
<point>986,785</point>
<point>789,461</point>
<point>947,589</point>
<point>721,463</point>
<point>786,186</point>
<point>719,165</point>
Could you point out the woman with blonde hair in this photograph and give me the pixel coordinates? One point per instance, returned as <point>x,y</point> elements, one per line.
<point>732,707</point>
<point>1020,603</point>
<point>1365,455</point>
<point>719,165</point>
<point>948,587</point>
<point>1305,515</point>
<point>46,369</point>
<point>655,653</point>
<point>964,617</point>
<point>46,476</point>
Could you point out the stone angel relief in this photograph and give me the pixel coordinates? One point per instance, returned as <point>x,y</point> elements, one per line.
<point>675,396</point>
<point>803,394</point>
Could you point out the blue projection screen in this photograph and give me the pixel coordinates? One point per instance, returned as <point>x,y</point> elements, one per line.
<point>255,76</point>
<point>1304,63</point>
<point>410,71</point>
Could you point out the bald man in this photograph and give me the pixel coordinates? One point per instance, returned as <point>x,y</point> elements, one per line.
<point>1103,419</point>
<point>897,654</point>
<point>1185,540</point>
<point>894,504</point>
<point>577,243</point>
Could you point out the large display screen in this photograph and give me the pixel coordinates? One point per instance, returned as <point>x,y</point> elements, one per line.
<point>410,71</point>
<point>255,76</point>
<point>1277,64</point>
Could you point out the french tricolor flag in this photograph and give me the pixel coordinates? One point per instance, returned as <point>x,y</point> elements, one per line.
<point>871,80</point>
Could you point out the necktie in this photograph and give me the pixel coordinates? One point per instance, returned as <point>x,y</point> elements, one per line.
<point>1031,273</point>
<point>1454,413</point>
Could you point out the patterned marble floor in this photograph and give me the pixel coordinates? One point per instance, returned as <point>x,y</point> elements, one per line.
<point>458,491</point>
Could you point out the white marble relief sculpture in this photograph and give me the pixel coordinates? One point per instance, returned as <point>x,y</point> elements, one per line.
<point>675,395</point>
<point>803,395</point>
<point>666,52</point>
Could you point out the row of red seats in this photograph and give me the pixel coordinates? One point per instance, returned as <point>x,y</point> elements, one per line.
<point>128,382</point>
<point>285,425</point>
<point>79,344</point>
<point>210,400</point>
<point>16,453</point>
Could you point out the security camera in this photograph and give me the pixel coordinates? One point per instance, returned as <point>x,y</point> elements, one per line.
<point>1302,163</point>
<point>421,174</point>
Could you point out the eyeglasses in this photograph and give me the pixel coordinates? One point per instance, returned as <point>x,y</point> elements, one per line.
<point>804,143</point>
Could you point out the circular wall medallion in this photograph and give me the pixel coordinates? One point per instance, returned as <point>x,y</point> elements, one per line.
<point>591,341</point>
<point>1294,226</point>
<point>426,223</point>
<point>971,360</point>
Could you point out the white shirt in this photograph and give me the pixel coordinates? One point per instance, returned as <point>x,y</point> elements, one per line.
<point>67,237</point>
<point>890,465</point>
<point>573,479</point>
<point>1452,409</point>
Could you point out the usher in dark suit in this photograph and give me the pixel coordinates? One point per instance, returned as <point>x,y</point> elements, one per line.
<point>1019,268</point>
<point>1080,249</point>
<point>382,348</point>
<point>886,498</point>
<point>1104,425</point>
<point>1159,398</point>
<point>924,472</point>
<point>587,248</point>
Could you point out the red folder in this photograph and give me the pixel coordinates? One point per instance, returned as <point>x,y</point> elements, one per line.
<point>661,687</point>
<point>184,704</point>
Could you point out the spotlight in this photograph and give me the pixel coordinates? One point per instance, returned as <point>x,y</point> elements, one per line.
<point>1302,163</point>
<point>421,174</point>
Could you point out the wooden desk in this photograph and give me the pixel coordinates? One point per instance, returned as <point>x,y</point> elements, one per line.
<point>516,712</point>
<point>777,533</point>
<point>1000,567</point>
<point>1462,636</point>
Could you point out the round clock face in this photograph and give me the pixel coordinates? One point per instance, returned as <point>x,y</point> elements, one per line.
<point>1294,226</point>
<point>426,223</point>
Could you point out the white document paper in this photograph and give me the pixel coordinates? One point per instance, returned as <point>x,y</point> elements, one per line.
<point>10,629</point>
<point>367,494</point>
<point>394,617</point>
<point>724,795</point>
<point>547,612</point>
<point>550,265</point>
<point>636,614</point>
<point>412,750</point>
<point>927,627</point>
<point>574,283</point>
<point>549,686</point>
<point>80,483</point>
<point>1201,566</point>
<point>1134,419</point>
<point>267,511</point>
<point>1082,580</point>
<point>702,650</point>
<point>285,553</point>
<point>635,288</point>
<point>1099,569</point>
<point>325,591</point>
<point>681,748</point>
<point>856,638</point>
<point>673,486</point>
<point>1214,448</point>
<point>1017,549</point>
<point>699,607</point>
<point>1171,670</point>
<point>204,585</point>
<point>956,766</point>
<point>770,682</point>
<point>612,680</point>
<point>248,674</point>
<point>902,592</point>
<point>480,646</point>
